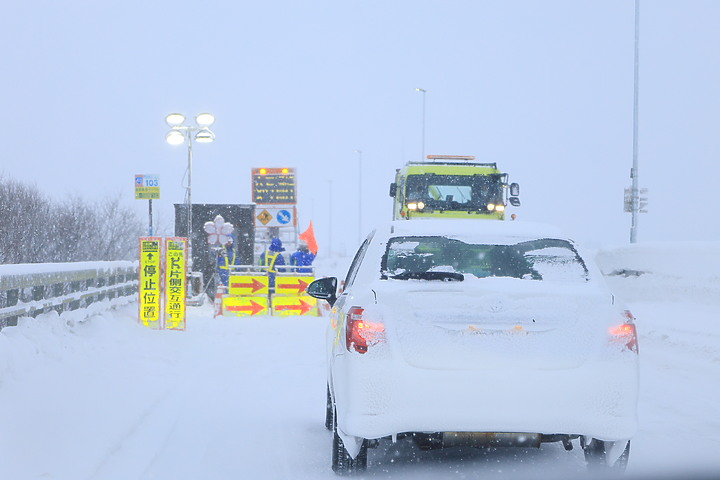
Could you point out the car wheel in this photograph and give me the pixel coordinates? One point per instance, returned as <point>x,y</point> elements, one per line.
<point>596,452</point>
<point>342,462</point>
<point>329,411</point>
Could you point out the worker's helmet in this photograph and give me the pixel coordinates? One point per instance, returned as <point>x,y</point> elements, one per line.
<point>276,245</point>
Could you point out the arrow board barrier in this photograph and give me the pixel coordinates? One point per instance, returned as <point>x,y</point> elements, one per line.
<point>290,297</point>
<point>249,293</point>
<point>245,306</point>
<point>287,305</point>
<point>291,285</point>
<point>255,284</point>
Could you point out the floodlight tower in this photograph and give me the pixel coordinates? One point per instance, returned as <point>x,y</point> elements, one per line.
<point>180,133</point>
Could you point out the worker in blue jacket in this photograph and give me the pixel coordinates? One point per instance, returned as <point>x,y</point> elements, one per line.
<point>302,259</point>
<point>272,258</point>
<point>227,256</point>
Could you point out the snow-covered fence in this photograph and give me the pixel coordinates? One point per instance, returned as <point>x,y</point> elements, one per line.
<point>31,289</point>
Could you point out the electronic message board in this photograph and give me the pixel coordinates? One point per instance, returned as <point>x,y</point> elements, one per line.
<point>273,186</point>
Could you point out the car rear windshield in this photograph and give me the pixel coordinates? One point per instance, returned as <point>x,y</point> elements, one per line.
<point>449,259</point>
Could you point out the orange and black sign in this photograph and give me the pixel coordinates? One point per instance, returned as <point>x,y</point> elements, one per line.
<point>264,217</point>
<point>273,186</point>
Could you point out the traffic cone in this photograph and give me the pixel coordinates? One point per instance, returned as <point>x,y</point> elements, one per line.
<point>217,305</point>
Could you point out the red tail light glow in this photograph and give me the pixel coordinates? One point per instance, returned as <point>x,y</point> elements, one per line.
<point>361,333</point>
<point>625,333</point>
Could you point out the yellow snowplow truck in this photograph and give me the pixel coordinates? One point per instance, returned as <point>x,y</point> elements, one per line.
<point>452,186</point>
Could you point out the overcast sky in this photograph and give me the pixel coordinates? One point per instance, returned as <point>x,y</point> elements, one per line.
<point>545,89</point>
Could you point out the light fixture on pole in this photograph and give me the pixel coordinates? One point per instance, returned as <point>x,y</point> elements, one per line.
<point>180,133</point>
<point>424,92</point>
<point>359,152</point>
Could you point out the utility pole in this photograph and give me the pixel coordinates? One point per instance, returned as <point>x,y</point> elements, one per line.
<point>634,203</point>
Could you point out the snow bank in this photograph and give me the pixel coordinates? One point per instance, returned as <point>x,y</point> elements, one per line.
<point>30,268</point>
<point>685,271</point>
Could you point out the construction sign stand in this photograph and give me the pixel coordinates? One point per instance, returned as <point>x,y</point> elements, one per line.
<point>175,287</point>
<point>290,297</point>
<point>150,310</point>
<point>162,282</point>
<point>249,293</point>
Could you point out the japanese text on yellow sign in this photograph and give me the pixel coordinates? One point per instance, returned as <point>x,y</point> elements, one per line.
<point>149,281</point>
<point>175,280</point>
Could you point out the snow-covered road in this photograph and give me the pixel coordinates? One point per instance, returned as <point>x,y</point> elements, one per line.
<point>236,398</point>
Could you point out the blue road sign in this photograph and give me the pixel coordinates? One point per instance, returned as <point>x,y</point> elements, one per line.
<point>283,217</point>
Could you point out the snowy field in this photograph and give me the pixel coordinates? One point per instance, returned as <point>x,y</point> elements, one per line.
<point>244,398</point>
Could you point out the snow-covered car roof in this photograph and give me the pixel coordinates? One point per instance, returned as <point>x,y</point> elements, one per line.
<point>495,231</point>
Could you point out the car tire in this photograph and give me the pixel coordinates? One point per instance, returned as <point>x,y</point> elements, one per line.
<point>342,462</point>
<point>595,452</point>
<point>329,417</point>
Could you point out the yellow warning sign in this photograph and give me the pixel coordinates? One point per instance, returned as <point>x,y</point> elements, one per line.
<point>294,305</point>
<point>264,217</point>
<point>175,282</point>
<point>292,285</point>
<point>244,306</point>
<point>248,285</point>
<point>149,281</point>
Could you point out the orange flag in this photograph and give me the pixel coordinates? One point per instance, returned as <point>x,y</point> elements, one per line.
<point>308,236</point>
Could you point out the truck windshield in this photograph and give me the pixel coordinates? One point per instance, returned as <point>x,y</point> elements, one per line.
<point>455,192</point>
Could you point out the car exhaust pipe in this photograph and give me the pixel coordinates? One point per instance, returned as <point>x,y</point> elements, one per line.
<point>491,439</point>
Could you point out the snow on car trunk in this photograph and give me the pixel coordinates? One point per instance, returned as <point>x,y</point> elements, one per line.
<point>494,321</point>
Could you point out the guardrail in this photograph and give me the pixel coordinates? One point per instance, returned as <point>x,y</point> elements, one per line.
<point>30,289</point>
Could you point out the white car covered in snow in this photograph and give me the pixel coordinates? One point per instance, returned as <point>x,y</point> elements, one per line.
<point>477,333</point>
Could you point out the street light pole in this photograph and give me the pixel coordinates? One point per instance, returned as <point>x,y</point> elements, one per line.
<point>359,152</point>
<point>188,197</point>
<point>180,133</point>
<point>424,92</point>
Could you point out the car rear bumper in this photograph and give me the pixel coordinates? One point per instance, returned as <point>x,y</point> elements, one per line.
<point>376,399</point>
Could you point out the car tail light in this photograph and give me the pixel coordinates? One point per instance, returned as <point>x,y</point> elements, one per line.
<point>625,333</point>
<point>361,333</point>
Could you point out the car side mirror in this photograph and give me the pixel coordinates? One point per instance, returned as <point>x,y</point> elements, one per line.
<point>514,189</point>
<point>323,289</point>
<point>514,201</point>
<point>393,189</point>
